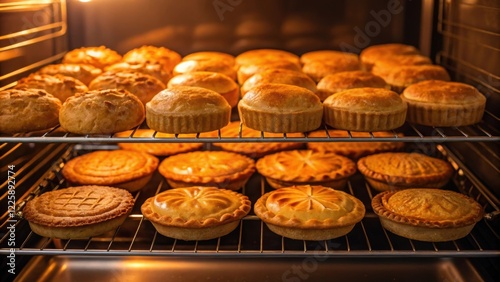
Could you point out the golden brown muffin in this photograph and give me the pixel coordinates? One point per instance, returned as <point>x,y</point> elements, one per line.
<point>158,149</point>
<point>196,213</point>
<point>319,69</point>
<point>400,77</point>
<point>354,149</point>
<point>152,54</point>
<point>101,112</point>
<point>78,212</point>
<point>365,109</point>
<point>99,57</point>
<point>341,81</point>
<point>207,168</point>
<point>326,56</point>
<point>430,215</point>
<point>253,149</point>
<point>82,72</point>
<point>150,68</point>
<point>373,53</point>
<point>144,86</point>
<point>306,167</point>
<point>246,71</point>
<point>280,76</point>
<point>204,55</point>
<point>280,108</point>
<point>217,82</point>
<point>26,110</point>
<point>129,170</point>
<point>400,170</point>
<point>309,212</point>
<point>187,109</point>
<point>210,65</point>
<point>251,56</point>
<point>443,103</point>
<point>60,86</point>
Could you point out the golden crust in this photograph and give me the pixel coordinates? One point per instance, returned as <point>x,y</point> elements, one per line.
<point>442,103</point>
<point>207,168</point>
<point>246,71</point>
<point>319,69</point>
<point>147,53</point>
<point>403,60</point>
<point>60,86</point>
<point>401,170</point>
<point>99,57</point>
<point>280,76</point>
<point>400,77</point>
<point>101,112</point>
<point>278,108</point>
<point>84,73</point>
<point>251,56</point>
<point>210,65</point>
<point>341,81</point>
<point>373,53</point>
<point>154,69</point>
<point>26,110</point>
<point>354,150</point>
<point>326,55</point>
<point>203,55</point>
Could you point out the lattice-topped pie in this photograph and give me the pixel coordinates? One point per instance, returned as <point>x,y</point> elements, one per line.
<point>427,214</point>
<point>300,167</point>
<point>196,213</point>
<point>78,212</point>
<point>207,168</point>
<point>309,212</point>
<point>390,171</point>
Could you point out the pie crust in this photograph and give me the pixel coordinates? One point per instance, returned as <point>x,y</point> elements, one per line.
<point>431,215</point>
<point>301,167</point>
<point>99,57</point>
<point>196,213</point>
<point>309,212</point>
<point>78,212</point>
<point>400,170</point>
<point>147,53</point>
<point>207,168</point>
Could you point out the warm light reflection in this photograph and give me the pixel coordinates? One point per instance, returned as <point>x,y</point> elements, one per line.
<point>84,1</point>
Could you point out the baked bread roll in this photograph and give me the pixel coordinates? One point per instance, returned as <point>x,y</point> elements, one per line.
<point>150,68</point>
<point>58,85</point>
<point>341,81</point>
<point>26,110</point>
<point>187,109</point>
<point>373,53</point>
<point>99,57</point>
<point>217,82</point>
<point>319,69</point>
<point>249,57</point>
<point>280,108</point>
<point>326,56</point>
<point>443,103</point>
<point>152,54</point>
<point>208,55</point>
<point>403,60</point>
<point>403,76</point>
<point>82,72</point>
<point>144,86</point>
<point>280,76</point>
<point>246,71</point>
<point>210,65</point>
<point>101,112</point>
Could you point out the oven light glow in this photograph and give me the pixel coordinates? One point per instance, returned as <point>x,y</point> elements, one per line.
<point>84,1</point>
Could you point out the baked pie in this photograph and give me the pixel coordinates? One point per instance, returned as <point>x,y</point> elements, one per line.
<point>300,167</point>
<point>119,168</point>
<point>309,212</point>
<point>148,53</point>
<point>84,73</point>
<point>60,86</point>
<point>78,212</point>
<point>430,215</point>
<point>99,57</point>
<point>391,171</point>
<point>207,168</point>
<point>196,213</point>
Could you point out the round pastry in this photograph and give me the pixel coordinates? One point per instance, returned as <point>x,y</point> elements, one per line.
<point>60,86</point>
<point>373,53</point>
<point>246,71</point>
<point>253,149</point>
<point>150,68</point>
<point>207,168</point>
<point>430,215</point>
<point>400,77</point>
<point>210,65</point>
<point>147,53</point>
<point>341,81</point>
<point>129,170</point>
<point>327,56</point>
<point>403,60</point>
<point>442,103</point>
<point>101,112</point>
<point>365,109</point>
<point>206,55</point>
<point>187,109</point>
<point>249,57</point>
<point>354,150</point>
<point>281,76</point>
<point>82,72</point>
<point>99,57</point>
<point>400,170</point>
<point>144,86</point>
<point>26,110</point>
<point>196,213</point>
<point>301,167</point>
<point>309,212</point>
<point>78,212</point>
<point>158,149</point>
<point>217,82</point>
<point>281,108</point>
<point>319,69</point>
